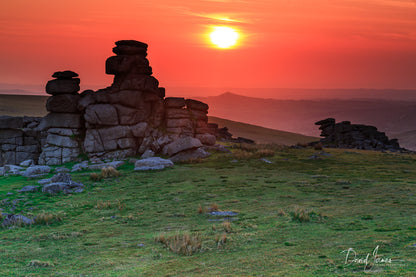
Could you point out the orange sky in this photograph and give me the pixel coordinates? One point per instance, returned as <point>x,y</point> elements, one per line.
<point>284,43</point>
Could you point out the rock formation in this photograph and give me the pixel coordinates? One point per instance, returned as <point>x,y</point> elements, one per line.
<point>128,118</point>
<point>347,135</point>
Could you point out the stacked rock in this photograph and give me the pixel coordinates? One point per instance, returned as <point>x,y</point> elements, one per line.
<point>125,119</point>
<point>19,139</point>
<point>62,127</point>
<point>347,135</point>
<point>188,118</point>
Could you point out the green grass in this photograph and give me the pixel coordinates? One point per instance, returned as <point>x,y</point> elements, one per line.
<point>352,199</point>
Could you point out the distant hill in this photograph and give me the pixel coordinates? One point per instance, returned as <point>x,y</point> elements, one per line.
<point>261,134</point>
<point>19,105</point>
<point>299,116</point>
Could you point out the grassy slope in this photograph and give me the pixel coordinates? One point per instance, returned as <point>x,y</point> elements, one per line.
<point>261,134</point>
<point>19,105</point>
<point>367,198</point>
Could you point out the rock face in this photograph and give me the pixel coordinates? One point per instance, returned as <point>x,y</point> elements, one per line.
<point>347,135</point>
<point>128,118</point>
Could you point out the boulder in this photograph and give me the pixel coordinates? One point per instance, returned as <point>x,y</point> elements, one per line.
<point>80,166</point>
<point>114,164</point>
<point>36,171</point>
<point>206,139</point>
<point>54,188</point>
<point>196,105</point>
<point>13,169</point>
<point>63,86</point>
<point>62,141</point>
<point>175,102</point>
<point>63,103</point>
<point>61,177</point>
<point>101,114</point>
<point>27,163</point>
<point>148,154</point>
<point>153,163</point>
<point>177,123</point>
<point>181,144</point>
<point>130,116</point>
<point>2,171</point>
<point>29,189</point>
<point>67,74</point>
<point>16,220</point>
<point>61,120</point>
<point>190,155</point>
<point>139,130</point>
<point>174,113</point>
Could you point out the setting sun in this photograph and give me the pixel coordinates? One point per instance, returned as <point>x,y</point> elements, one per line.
<point>224,37</point>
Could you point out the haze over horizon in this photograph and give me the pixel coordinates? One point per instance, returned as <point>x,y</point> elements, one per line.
<point>322,44</point>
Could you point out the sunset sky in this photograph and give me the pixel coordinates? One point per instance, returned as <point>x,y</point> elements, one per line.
<point>281,44</point>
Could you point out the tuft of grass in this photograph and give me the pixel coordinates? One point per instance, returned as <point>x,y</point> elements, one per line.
<point>46,218</point>
<point>213,208</point>
<point>102,205</point>
<point>303,215</point>
<point>110,172</point>
<point>182,244</point>
<point>220,240</point>
<point>281,213</point>
<point>254,151</point>
<point>226,225</point>
<point>37,263</point>
<point>107,172</point>
<point>96,177</point>
<point>201,210</point>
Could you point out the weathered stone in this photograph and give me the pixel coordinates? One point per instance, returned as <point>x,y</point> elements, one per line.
<point>175,102</point>
<point>121,65</point>
<point>153,163</point>
<point>37,170</point>
<point>190,155</point>
<point>63,86</point>
<point>125,143</point>
<point>181,144</point>
<point>101,114</point>
<point>148,154</point>
<point>130,116</point>
<point>63,103</point>
<point>54,188</point>
<point>175,123</point>
<point>61,177</point>
<point>62,141</point>
<point>16,220</point>
<point>27,163</point>
<point>29,189</point>
<point>11,122</point>
<point>28,149</point>
<point>206,139</point>
<point>139,130</point>
<point>67,74</point>
<point>60,120</point>
<point>196,105</point>
<point>114,164</point>
<point>175,113</point>
<point>80,166</point>
<point>198,115</point>
<point>65,132</point>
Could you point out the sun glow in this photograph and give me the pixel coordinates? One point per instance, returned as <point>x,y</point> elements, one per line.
<point>224,37</point>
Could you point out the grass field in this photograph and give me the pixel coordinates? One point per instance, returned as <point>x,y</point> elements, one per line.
<point>295,217</point>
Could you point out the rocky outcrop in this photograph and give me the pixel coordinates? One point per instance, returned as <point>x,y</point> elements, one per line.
<point>128,118</point>
<point>347,135</point>
<point>19,139</point>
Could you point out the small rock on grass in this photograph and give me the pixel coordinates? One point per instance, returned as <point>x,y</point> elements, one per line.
<point>154,163</point>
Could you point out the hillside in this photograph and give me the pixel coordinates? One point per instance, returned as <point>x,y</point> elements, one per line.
<point>261,134</point>
<point>19,105</point>
<point>299,116</point>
